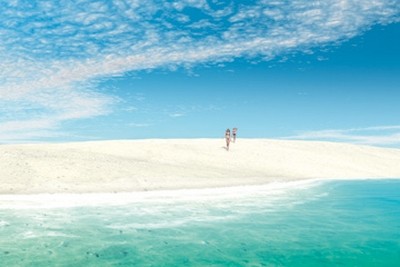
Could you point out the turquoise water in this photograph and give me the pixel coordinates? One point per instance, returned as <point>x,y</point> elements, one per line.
<point>332,223</point>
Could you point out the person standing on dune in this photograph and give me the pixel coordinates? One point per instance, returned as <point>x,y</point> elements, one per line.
<point>234,131</point>
<point>227,138</point>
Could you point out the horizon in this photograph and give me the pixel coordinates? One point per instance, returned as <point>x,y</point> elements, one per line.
<point>190,69</point>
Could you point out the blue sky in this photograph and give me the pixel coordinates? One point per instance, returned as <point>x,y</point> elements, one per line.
<point>93,70</point>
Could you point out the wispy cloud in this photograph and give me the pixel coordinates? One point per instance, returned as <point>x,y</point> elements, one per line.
<point>176,115</point>
<point>139,125</point>
<point>53,53</point>
<point>377,135</point>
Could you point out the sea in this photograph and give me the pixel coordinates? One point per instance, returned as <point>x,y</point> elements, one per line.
<point>300,223</point>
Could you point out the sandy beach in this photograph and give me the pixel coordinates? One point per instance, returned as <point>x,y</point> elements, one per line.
<point>160,164</point>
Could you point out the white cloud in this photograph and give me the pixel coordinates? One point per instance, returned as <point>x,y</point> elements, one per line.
<point>53,53</point>
<point>376,135</point>
<point>139,125</point>
<point>176,115</point>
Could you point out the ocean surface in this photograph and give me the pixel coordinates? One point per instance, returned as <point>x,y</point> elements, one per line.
<point>308,223</point>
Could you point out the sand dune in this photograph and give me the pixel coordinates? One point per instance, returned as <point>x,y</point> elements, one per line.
<point>121,166</point>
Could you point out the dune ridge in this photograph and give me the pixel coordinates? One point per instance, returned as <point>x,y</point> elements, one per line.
<point>163,164</point>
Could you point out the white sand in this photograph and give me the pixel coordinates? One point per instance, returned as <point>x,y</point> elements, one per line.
<point>141,165</point>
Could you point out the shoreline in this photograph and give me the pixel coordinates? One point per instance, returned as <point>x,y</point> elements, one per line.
<point>198,195</point>
<point>175,164</point>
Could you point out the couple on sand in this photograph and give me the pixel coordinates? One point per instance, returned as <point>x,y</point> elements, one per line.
<point>228,137</point>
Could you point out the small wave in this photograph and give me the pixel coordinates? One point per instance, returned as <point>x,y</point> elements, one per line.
<point>43,233</point>
<point>3,224</point>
